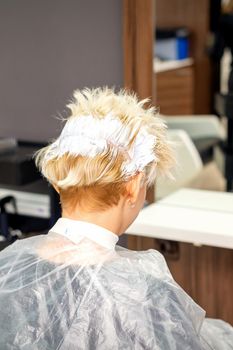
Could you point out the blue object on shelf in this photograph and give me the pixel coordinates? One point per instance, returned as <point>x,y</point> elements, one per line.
<point>172,43</point>
<point>182,48</point>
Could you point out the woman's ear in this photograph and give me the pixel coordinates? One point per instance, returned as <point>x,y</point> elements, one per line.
<point>133,187</point>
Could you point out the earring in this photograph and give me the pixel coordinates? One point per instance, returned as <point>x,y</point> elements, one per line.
<point>132,205</point>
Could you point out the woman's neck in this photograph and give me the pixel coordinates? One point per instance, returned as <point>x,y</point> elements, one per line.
<point>111,219</point>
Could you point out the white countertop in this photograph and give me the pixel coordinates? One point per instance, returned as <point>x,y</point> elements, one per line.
<point>193,216</point>
<point>28,203</point>
<point>164,66</point>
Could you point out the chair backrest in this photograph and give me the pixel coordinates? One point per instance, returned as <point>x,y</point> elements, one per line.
<point>198,126</point>
<point>189,164</point>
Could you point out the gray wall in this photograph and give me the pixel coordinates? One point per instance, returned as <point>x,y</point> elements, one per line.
<point>47,49</point>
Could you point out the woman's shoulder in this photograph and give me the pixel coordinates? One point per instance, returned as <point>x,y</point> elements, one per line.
<point>137,276</point>
<point>151,261</point>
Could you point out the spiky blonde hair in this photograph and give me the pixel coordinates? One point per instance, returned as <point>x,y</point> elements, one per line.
<point>84,180</point>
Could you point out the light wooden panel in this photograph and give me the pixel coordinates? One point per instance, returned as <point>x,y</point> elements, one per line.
<point>138,36</point>
<point>138,46</point>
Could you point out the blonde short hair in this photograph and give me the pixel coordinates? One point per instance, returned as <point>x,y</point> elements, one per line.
<point>84,180</point>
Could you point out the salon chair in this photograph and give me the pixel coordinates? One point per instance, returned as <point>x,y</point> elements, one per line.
<point>206,132</point>
<point>189,164</point>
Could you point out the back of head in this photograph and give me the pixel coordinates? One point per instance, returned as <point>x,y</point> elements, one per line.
<point>108,138</point>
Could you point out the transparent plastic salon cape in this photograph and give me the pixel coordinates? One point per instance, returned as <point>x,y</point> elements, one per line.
<point>74,289</point>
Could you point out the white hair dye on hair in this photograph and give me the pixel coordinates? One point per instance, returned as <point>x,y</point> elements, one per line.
<point>88,137</point>
<point>108,138</point>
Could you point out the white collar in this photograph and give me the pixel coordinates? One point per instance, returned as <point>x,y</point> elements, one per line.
<point>76,230</point>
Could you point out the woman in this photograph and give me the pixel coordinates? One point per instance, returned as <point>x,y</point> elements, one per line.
<point>73,288</point>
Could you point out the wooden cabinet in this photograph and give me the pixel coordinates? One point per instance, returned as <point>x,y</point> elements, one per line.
<point>214,281</point>
<point>205,273</point>
<point>175,91</point>
<point>195,16</point>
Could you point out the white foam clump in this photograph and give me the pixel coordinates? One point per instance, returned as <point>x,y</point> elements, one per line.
<point>89,136</point>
